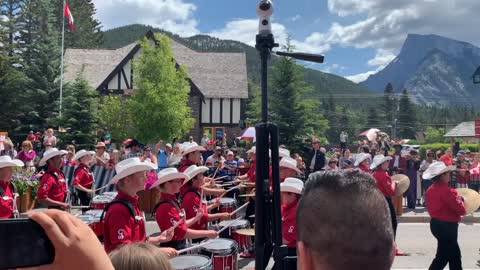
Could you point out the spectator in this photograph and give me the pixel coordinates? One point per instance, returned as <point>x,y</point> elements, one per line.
<point>317,157</point>
<point>343,141</point>
<point>107,138</point>
<point>114,159</point>
<point>68,160</point>
<point>9,149</point>
<point>412,167</point>
<point>140,256</point>
<point>190,139</point>
<point>230,166</point>
<point>176,156</point>
<point>27,155</point>
<point>332,165</point>
<point>210,150</point>
<point>50,138</point>
<point>462,174</point>
<point>448,158</point>
<point>475,174</point>
<point>300,163</point>
<point>346,156</point>
<point>134,147</point>
<point>163,154</point>
<point>216,158</point>
<point>38,142</point>
<point>353,233</point>
<point>205,140</point>
<point>31,137</point>
<point>398,163</point>
<point>426,183</point>
<point>101,155</point>
<point>148,156</point>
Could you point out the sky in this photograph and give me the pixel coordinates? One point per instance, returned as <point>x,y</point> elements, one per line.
<point>357,37</point>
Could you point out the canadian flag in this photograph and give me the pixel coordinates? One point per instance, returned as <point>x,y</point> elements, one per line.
<point>68,14</point>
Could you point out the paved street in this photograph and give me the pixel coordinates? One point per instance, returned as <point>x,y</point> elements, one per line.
<point>417,240</point>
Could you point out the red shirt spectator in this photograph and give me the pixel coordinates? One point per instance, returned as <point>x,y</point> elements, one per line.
<point>6,204</point>
<point>53,185</point>
<point>289,218</point>
<point>444,203</point>
<point>168,215</point>
<point>251,172</point>
<point>120,227</point>
<point>384,182</point>
<point>191,204</point>
<point>447,160</point>
<point>83,176</point>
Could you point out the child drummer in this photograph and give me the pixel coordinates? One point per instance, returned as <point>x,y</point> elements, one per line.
<point>291,190</point>
<point>83,178</point>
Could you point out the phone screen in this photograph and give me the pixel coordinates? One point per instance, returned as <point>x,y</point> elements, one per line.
<point>24,244</point>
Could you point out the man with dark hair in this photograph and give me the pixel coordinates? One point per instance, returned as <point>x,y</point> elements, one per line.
<point>355,232</point>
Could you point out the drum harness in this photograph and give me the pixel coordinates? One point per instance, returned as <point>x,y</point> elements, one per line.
<point>16,214</point>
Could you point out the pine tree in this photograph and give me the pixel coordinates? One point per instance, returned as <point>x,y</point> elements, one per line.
<point>10,12</point>
<point>87,33</point>
<point>406,117</point>
<point>254,104</point>
<point>79,116</point>
<point>388,106</point>
<point>330,112</point>
<point>373,118</point>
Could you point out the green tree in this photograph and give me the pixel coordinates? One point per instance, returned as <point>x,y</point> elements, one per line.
<point>160,106</point>
<point>254,104</point>
<point>330,112</point>
<point>79,116</point>
<point>388,106</point>
<point>373,118</point>
<point>406,117</point>
<point>434,135</point>
<point>114,113</point>
<point>10,12</point>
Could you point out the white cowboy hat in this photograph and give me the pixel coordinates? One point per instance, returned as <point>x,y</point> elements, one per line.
<point>194,170</point>
<point>83,153</point>
<point>290,163</point>
<point>7,161</point>
<point>50,153</point>
<point>283,153</point>
<point>169,174</point>
<point>292,185</point>
<point>189,147</point>
<point>378,160</point>
<point>360,158</point>
<point>437,168</point>
<point>130,166</point>
<point>252,150</point>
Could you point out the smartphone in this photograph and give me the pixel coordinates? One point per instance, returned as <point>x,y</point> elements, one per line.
<point>24,244</point>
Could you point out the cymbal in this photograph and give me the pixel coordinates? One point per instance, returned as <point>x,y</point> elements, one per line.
<point>471,197</point>
<point>247,195</point>
<point>248,232</point>
<point>403,182</point>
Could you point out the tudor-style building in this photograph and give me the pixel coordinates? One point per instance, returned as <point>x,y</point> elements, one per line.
<point>218,82</point>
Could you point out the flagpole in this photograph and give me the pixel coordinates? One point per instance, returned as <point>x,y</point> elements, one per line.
<point>61,65</point>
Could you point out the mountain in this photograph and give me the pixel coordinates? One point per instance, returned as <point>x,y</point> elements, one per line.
<point>324,83</point>
<point>435,70</point>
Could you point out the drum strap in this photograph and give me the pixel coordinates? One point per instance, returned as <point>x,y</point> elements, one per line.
<point>12,186</point>
<point>172,202</point>
<point>189,191</point>
<point>126,203</point>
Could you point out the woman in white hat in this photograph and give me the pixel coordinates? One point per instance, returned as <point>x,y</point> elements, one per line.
<point>7,189</point>
<point>169,214</point>
<point>362,161</point>
<point>446,208</point>
<point>291,190</point>
<point>121,226</point>
<point>192,199</point>
<point>53,186</point>
<point>82,177</point>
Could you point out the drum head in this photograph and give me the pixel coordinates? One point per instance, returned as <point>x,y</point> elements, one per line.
<point>241,223</point>
<point>102,199</point>
<point>94,213</point>
<point>187,262</point>
<point>221,246</point>
<point>86,219</point>
<point>227,200</point>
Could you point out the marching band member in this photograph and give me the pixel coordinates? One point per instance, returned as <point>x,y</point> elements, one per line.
<point>398,163</point>
<point>192,199</point>
<point>362,162</point>
<point>7,188</point>
<point>124,222</point>
<point>291,190</point>
<point>251,177</point>
<point>169,213</point>
<point>53,186</point>
<point>288,168</point>
<point>82,177</point>
<point>385,184</point>
<point>446,208</point>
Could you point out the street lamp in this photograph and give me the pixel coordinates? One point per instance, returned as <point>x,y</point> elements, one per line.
<point>476,76</point>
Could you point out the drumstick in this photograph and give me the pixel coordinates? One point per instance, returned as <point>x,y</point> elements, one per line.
<point>220,178</point>
<point>228,225</point>
<point>95,190</point>
<point>224,185</point>
<point>79,207</point>
<point>193,247</point>
<point>240,208</point>
<point>215,172</point>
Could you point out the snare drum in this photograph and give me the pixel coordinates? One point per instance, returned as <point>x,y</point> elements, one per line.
<point>244,239</point>
<point>239,224</point>
<point>223,253</point>
<point>95,223</point>
<point>191,262</point>
<point>87,219</point>
<point>228,205</point>
<point>100,202</point>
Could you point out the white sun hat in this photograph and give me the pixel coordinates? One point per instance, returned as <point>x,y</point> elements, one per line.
<point>50,153</point>
<point>290,163</point>
<point>169,174</point>
<point>189,147</point>
<point>293,185</point>
<point>283,153</point>
<point>83,153</point>
<point>378,160</point>
<point>195,170</point>
<point>130,166</point>
<point>436,169</point>
<point>360,158</point>
<point>7,161</point>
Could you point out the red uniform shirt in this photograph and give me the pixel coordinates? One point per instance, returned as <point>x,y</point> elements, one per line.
<point>364,168</point>
<point>168,215</point>
<point>384,182</point>
<point>447,160</point>
<point>443,203</point>
<point>53,185</point>
<point>252,171</point>
<point>289,218</point>
<point>119,225</point>
<point>191,204</point>
<point>83,176</point>
<point>6,204</point>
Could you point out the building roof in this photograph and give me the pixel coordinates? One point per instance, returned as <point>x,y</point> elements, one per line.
<point>217,75</point>
<point>465,129</point>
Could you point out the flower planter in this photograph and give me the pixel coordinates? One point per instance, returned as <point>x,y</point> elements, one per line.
<point>26,202</point>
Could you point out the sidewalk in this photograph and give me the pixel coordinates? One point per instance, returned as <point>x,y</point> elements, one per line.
<point>420,215</point>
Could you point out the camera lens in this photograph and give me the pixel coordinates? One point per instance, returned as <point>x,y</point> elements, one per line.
<point>265,6</point>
